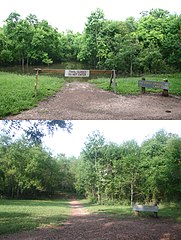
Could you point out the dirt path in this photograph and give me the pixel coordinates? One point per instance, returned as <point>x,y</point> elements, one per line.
<point>83,225</point>
<point>79,100</point>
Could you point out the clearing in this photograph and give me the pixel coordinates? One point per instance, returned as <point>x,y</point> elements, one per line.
<point>82,100</point>
<point>83,225</point>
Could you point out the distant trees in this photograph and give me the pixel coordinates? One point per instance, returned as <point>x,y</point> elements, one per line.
<point>30,41</point>
<point>104,172</point>
<point>30,170</point>
<point>131,173</point>
<point>151,44</point>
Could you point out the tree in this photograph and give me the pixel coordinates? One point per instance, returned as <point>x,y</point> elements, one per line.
<point>130,173</point>
<point>159,166</point>
<point>20,32</point>
<point>6,55</point>
<point>30,170</point>
<point>91,154</point>
<point>91,38</point>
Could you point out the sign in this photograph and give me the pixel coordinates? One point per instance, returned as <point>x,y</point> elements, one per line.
<point>153,84</point>
<point>77,73</point>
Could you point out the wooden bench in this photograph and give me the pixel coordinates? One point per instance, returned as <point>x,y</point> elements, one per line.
<point>144,208</point>
<point>165,85</point>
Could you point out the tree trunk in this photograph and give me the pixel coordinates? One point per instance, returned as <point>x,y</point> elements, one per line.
<point>132,194</point>
<point>12,192</point>
<point>17,192</point>
<point>131,68</point>
<point>27,64</point>
<point>23,64</point>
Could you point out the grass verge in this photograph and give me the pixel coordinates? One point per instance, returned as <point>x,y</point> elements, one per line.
<point>19,215</point>
<point>121,211</point>
<point>129,85</point>
<point>17,91</point>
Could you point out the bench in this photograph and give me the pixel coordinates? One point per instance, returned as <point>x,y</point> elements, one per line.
<point>165,85</point>
<point>144,208</point>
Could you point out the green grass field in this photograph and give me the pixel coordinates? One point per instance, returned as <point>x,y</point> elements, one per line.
<point>17,91</point>
<point>120,211</point>
<point>129,85</point>
<point>19,215</point>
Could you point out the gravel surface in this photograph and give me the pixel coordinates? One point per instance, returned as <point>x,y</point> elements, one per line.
<point>83,225</point>
<point>80,100</point>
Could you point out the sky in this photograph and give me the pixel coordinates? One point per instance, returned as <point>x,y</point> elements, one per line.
<point>116,131</point>
<point>72,14</point>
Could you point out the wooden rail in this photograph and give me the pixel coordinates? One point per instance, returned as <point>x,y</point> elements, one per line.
<point>93,71</point>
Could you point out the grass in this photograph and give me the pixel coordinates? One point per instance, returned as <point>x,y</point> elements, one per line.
<point>121,211</point>
<point>129,85</point>
<point>111,210</point>
<point>19,215</point>
<point>17,91</point>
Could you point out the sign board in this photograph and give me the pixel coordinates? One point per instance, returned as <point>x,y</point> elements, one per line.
<point>77,73</point>
<point>153,84</point>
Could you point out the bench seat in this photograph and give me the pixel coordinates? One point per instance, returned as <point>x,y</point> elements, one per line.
<point>145,208</point>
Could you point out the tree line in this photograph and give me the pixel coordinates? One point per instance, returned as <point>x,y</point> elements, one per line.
<point>30,171</point>
<point>104,171</point>
<point>129,172</point>
<point>151,44</point>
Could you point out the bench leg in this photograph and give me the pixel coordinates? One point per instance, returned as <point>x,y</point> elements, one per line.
<point>136,213</point>
<point>165,93</point>
<point>156,214</point>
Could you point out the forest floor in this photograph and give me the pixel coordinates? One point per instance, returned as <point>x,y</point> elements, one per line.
<point>82,100</point>
<point>83,225</point>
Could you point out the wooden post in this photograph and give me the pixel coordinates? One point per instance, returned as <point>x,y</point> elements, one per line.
<point>114,81</point>
<point>165,91</point>
<point>143,88</point>
<point>111,79</point>
<point>36,82</point>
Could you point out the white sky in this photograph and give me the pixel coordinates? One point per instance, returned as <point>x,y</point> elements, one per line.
<point>116,131</point>
<point>72,14</point>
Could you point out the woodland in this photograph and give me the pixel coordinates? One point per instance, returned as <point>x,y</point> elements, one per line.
<point>150,44</point>
<point>105,172</point>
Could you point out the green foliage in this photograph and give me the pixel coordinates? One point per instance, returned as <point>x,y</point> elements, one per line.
<point>20,215</point>
<point>28,170</point>
<point>151,44</point>
<point>131,173</point>
<point>13,99</point>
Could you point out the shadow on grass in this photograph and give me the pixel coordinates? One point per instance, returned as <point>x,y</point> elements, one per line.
<point>15,221</point>
<point>170,212</point>
<point>165,212</point>
<point>101,227</point>
<point>36,203</point>
<point>11,222</point>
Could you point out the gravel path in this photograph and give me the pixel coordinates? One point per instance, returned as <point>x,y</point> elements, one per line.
<point>79,100</point>
<point>83,225</point>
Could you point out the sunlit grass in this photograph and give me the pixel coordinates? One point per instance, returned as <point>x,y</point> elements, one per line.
<point>17,91</point>
<point>19,215</point>
<point>116,210</point>
<point>129,85</point>
<point>121,211</point>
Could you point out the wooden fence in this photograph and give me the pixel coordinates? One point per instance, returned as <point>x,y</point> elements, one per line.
<point>77,73</point>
